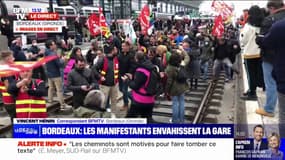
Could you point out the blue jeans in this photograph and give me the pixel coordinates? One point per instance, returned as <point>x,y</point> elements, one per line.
<point>123,87</point>
<point>62,77</point>
<point>204,67</point>
<point>217,67</point>
<point>271,88</point>
<point>178,109</point>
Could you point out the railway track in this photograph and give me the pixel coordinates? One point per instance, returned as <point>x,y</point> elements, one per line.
<point>202,105</point>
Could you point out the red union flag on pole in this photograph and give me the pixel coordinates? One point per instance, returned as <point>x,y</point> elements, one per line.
<point>103,24</point>
<point>218,29</point>
<point>144,19</point>
<point>222,9</point>
<point>93,24</point>
<point>98,24</point>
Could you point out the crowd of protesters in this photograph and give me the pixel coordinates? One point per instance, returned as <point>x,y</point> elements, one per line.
<point>177,53</point>
<point>174,49</point>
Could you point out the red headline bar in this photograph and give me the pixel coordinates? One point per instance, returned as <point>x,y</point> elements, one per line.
<point>43,16</point>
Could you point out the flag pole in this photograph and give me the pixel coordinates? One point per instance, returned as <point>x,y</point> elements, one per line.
<point>102,44</point>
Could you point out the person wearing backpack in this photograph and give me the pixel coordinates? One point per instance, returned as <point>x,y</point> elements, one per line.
<point>176,85</point>
<point>143,86</point>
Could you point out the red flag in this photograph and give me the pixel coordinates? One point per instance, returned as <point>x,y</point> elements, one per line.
<point>103,24</point>
<point>7,70</point>
<point>144,19</point>
<point>93,24</point>
<point>218,29</point>
<point>222,8</point>
<point>98,24</point>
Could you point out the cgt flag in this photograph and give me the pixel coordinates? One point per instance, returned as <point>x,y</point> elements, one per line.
<point>218,29</point>
<point>7,70</point>
<point>222,9</point>
<point>144,19</point>
<point>93,24</point>
<point>103,24</point>
<point>98,25</point>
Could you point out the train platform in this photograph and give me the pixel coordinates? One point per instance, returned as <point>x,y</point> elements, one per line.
<point>270,123</point>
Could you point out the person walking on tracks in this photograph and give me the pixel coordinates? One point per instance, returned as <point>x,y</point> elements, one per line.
<point>222,54</point>
<point>29,93</point>
<point>142,100</point>
<point>126,65</point>
<point>176,86</point>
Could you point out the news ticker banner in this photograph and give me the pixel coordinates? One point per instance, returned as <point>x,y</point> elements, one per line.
<point>127,139</point>
<point>125,128</point>
<point>117,149</point>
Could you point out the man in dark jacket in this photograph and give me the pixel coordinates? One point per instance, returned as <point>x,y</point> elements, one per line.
<point>107,71</point>
<point>126,61</point>
<point>277,12</point>
<point>117,41</point>
<point>16,47</point>
<point>234,50</point>
<point>222,56</point>
<point>80,82</point>
<point>275,40</point>
<point>53,74</point>
<point>78,26</point>
<point>206,55</point>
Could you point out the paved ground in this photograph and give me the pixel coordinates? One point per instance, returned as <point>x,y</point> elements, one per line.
<point>271,124</point>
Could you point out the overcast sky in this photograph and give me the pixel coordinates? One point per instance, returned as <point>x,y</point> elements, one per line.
<point>238,5</point>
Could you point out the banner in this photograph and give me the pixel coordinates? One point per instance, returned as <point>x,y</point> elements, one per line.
<point>129,31</point>
<point>7,70</point>
<point>100,138</point>
<point>98,25</point>
<point>218,29</point>
<point>222,9</point>
<point>93,24</point>
<point>144,19</point>
<point>103,24</point>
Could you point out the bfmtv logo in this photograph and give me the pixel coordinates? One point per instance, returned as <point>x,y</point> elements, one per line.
<point>22,12</point>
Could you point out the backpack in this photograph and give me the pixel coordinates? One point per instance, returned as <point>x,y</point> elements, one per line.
<point>153,79</point>
<point>181,75</point>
